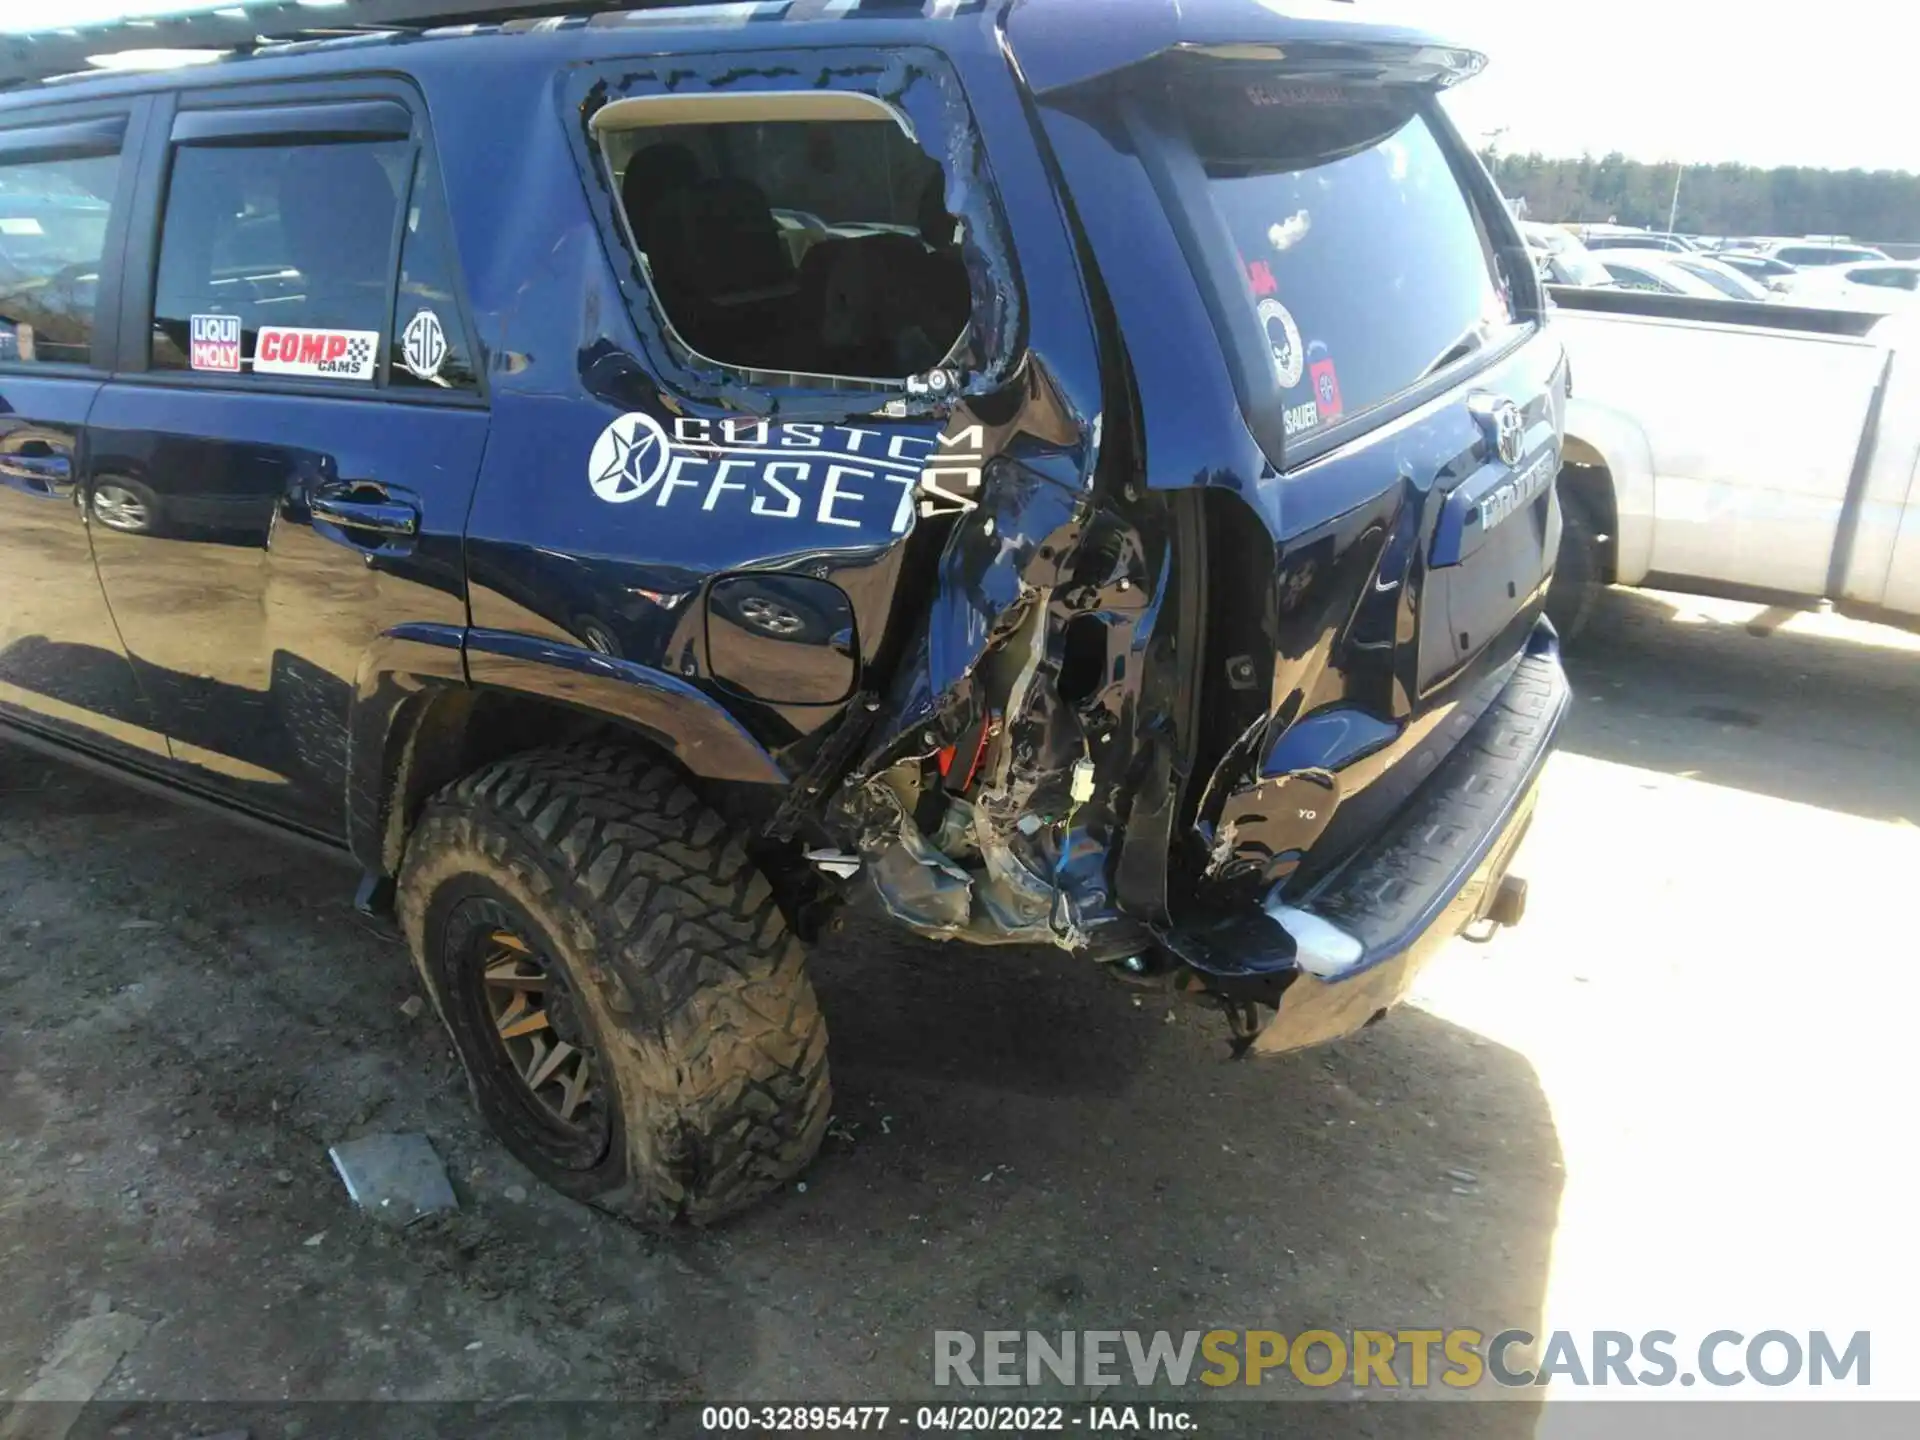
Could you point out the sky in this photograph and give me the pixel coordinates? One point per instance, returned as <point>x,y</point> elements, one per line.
<point>1662,80</point>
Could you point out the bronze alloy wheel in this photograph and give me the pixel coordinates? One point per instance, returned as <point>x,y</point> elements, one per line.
<point>534,1015</point>
<point>633,1016</point>
<point>542,1037</point>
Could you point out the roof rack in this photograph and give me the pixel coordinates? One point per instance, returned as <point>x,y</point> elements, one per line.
<point>246,25</point>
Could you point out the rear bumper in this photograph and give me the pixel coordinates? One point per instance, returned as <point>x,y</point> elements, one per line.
<point>1349,948</point>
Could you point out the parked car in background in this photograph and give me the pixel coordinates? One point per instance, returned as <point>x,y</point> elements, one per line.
<point>1724,278</point>
<point>1764,268</point>
<point>1805,254</point>
<point>1655,271</point>
<point>1679,486</point>
<point>1884,286</point>
<point>1560,258</point>
<point>1635,240</point>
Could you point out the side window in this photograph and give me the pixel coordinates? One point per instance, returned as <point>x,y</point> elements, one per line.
<point>429,343</point>
<point>805,236</point>
<point>53,235</point>
<point>278,258</point>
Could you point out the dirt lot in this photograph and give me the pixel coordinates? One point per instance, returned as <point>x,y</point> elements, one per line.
<point>1682,1090</point>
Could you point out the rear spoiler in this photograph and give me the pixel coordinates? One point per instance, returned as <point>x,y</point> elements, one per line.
<point>1058,48</point>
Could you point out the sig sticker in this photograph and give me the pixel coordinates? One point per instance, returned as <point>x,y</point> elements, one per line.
<point>1283,342</point>
<point>330,354</point>
<point>423,345</point>
<point>213,343</point>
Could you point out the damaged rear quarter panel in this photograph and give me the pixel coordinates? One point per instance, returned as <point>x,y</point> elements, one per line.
<point>963,594</point>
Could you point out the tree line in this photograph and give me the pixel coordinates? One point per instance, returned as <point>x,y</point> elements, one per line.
<point>1714,199</point>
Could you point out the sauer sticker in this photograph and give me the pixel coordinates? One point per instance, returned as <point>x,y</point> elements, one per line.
<point>333,354</point>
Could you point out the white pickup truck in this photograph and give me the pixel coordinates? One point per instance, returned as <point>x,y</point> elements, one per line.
<point>1747,449</point>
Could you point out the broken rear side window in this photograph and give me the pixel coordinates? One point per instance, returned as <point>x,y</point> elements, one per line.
<point>805,236</point>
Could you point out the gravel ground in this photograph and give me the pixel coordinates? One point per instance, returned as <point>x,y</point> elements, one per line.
<point>1673,1090</point>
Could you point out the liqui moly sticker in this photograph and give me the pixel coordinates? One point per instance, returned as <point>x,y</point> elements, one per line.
<point>214,343</point>
<point>331,354</point>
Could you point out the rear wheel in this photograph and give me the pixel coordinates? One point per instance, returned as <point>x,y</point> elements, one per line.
<point>1577,581</point>
<point>634,1018</point>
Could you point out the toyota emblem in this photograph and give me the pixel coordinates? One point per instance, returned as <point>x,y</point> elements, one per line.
<point>1504,425</point>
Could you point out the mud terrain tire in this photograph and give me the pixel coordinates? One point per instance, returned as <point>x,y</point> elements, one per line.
<point>670,963</point>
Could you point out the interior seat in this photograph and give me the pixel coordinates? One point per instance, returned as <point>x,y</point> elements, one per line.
<point>890,305</point>
<point>725,274</point>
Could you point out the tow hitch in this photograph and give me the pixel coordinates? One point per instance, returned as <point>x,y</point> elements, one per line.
<point>1507,907</point>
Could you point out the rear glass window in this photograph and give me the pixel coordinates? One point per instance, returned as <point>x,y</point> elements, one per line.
<point>1367,268</point>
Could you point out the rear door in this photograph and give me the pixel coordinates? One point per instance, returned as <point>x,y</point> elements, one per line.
<point>280,471</point>
<point>66,174</point>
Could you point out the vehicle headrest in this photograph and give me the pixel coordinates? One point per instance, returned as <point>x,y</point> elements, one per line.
<point>653,174</point>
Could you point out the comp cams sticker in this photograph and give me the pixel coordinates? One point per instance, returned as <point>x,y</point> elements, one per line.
<point>840,475</point>
<point>331,354</point>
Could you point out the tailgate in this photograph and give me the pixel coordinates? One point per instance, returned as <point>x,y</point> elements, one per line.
<point>1290,219</point>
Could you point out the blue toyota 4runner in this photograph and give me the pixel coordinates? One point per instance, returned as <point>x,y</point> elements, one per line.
<point>1050,473</point>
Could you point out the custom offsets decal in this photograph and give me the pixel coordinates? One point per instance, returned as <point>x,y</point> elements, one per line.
<point>840,475</point>
<point>215,342</point>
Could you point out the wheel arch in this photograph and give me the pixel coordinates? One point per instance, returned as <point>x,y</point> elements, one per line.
<point>1607,465</point>
<point>433,703</point>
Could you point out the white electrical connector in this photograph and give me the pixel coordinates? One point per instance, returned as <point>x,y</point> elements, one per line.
<point>1082,781</point>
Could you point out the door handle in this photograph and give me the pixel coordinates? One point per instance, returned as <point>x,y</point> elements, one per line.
<point>41,472</point>
<point>368,509</point>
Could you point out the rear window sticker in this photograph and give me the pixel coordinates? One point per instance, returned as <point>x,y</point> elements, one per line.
<point>214,343</point>
<point>1298,419</point>
<point>1287,233</point>
<point>1326,391</point>
<point>1261,278</point>
<point>423,345</point>
<point>20,225</point>
<point>1283,342</point>
<point>330,354</point>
